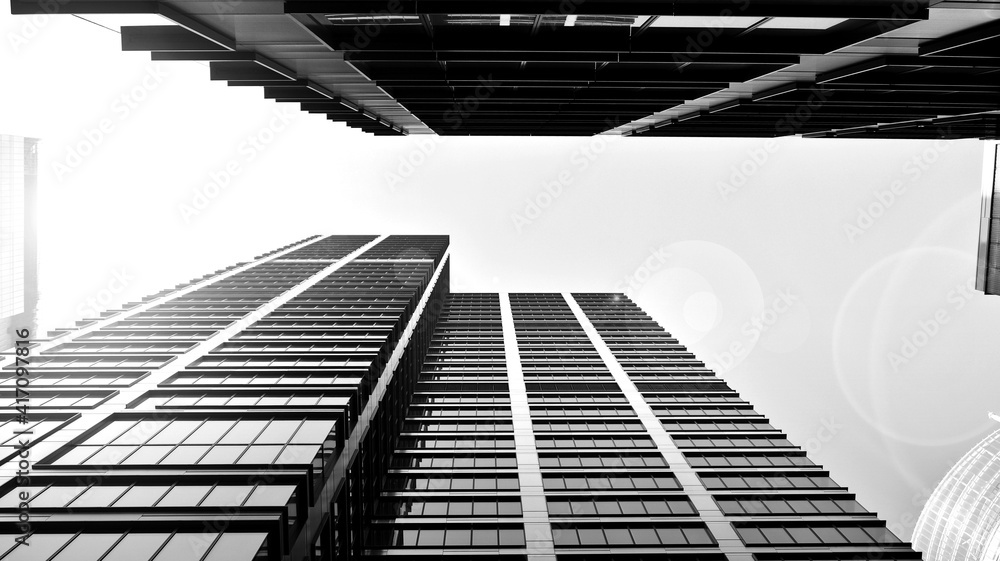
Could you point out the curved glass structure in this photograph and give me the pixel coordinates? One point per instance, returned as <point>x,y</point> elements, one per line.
<point>961,520</point>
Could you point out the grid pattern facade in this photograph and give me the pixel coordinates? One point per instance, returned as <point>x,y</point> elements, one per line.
<point>243,416</point>
<point>961,520</point>
<point>988,266</point>
<point>332,400</point>
<point>18,243</point>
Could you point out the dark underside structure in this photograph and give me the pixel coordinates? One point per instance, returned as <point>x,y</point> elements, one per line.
<point>758,68</point>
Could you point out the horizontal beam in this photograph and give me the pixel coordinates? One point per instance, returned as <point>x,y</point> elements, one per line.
<point>877,9</point>
<point>962,39</point>
<point>165,38</point>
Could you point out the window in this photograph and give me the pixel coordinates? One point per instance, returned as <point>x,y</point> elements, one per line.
<point>620,506</point>
<point>616,441</point>
<point>453,507</point>
<point>448,481</point>
<point>612,481</point>
<point>789,505</point>
<point>616,460</point>
<point>645,535</point>
<point>814,535</point>
<point>138,546</point>
<point>779,459</point>
<point>766,480</point>
<point>212,441</point>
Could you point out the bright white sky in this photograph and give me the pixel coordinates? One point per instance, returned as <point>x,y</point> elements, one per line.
<point>817,321</point>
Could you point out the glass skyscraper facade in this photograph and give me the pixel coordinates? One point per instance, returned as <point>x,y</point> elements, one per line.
<point>332,399</point>
<point>961,520</point>
<point>18,244</point>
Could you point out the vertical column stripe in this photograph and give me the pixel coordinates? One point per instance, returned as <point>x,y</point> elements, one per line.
<point>537,529</point>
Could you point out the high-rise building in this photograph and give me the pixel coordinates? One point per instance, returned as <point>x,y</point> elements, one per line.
<point>332,399</point>
<point>762,68</point>
<point>988,263</point>
<point>961,520</point>
<point>18,239</point>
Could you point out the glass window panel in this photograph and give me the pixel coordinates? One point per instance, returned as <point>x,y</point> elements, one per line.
<point>40,546</point>
<point>645,536</point>
<point>184,495</point>
<point>751,536</point>
<point>481,508</point>
<point>697,536</point>
<point>671,536</point>
<point>98,496</point>
<point>270,495</point>
<point>225,455</point>
<point>484,537</point>
<point>142,496</point>
<point>566,537</point>
<point>313,432</point>
<point>458,537</point>
<point>632,507</point>
<point>136,547</point>
<point>431,537</point>
<point>776,535</point>
<point>57,496</point>
<point>13,498</point>
<point>185,455</point>
<point>856,535</point>
<point>243,432</point>
<point>435,509</point>
<point>236,547</point>
<point>298,454</point>
<point>210,432</point>
<point>511,537</point>
<point>87,547</point>
<point>227,495</point>
<point>509,508</point>
<point>175,432</point>
<point>460,508</point>
<point>260,454</point>
<point>591,536</point>
<point>147,455</point>
<point>185,547</point>
<point>830,535</point>
<point>110,455</point>
<point>140,432</point>
<point>803,535</point>
<point>110,432</point>
<point>278,432</point>
<point>76,456</point>
<point>618,536</point>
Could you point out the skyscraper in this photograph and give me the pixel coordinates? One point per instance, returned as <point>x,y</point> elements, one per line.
<point>18,242</point>
<point>332,399</point>
<point>988,263</point>
<point>761,68</point>
<point>961,520</point>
